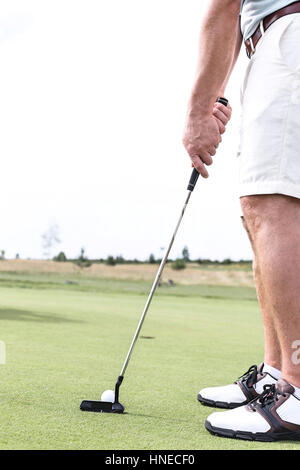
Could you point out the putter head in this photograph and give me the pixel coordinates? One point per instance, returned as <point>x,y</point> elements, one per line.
<point>105,406</point>
<point>101,406</point>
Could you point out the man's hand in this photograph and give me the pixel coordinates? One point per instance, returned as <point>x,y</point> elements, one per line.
<point>203,135</point>
<point>201,139</point>
<point>222,114</point>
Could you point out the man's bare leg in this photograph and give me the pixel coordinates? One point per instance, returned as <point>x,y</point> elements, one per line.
<point>251,385</point>
<point>274,225</point>
<point>272,346</point>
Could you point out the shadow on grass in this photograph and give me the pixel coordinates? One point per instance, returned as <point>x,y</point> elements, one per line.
<point>27,315</point>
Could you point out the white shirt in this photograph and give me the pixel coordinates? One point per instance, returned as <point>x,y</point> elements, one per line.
<point>253,11</point>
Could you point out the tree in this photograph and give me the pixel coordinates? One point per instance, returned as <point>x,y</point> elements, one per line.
<point>83,260</point>
<point>186,254</point>
<point>61,257</point>
<point>82,257</point>
<point>178,264</point>
<point>110,261</point>
<point>49,239</point>
<point>2,254</point>
<point>152,259</point>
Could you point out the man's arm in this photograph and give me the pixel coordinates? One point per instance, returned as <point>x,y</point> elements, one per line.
<point>220,43</point>
<point>220,112</point>
<point>236,53</point>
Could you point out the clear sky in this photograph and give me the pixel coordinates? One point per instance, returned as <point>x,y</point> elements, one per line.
<point>93,96</point>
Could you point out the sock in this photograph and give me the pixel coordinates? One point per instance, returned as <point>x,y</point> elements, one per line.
<point>297,392</point>
<point>272,371</point>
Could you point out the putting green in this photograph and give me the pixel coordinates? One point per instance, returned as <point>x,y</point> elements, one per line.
<point>65,343</point>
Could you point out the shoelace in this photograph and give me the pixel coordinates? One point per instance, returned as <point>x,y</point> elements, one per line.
<point>268,396</point>
<point>250,377</point>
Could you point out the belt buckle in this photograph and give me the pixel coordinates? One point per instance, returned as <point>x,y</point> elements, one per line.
<point>250,53</point>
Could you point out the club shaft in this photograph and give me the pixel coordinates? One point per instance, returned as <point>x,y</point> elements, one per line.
<point>153,288</point>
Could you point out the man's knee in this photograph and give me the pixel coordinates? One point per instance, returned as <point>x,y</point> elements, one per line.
<point>270,211</point>
<point>255,210</point>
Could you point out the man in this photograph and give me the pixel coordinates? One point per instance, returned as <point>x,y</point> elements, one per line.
<point>265,403</point>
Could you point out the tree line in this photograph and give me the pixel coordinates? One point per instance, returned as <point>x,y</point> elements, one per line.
<point>177,264</point>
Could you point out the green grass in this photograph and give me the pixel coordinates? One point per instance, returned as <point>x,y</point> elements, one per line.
<point>77,283</point>
<point>68,342</point>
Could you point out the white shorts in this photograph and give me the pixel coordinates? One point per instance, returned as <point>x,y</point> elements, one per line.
<point>270,126</point>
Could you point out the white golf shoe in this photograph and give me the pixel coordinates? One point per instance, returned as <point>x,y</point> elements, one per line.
<point>274,416</point>
<point>248,387</point>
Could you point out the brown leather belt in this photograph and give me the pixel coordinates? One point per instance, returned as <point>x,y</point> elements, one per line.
<point>251,42</point>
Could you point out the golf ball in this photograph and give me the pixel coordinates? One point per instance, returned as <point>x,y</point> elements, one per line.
<point>108,395</point>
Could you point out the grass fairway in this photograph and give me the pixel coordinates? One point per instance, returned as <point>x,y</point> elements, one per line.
<point>67,342</point>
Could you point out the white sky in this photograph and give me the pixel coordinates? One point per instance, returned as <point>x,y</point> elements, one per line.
<point>93,96</point>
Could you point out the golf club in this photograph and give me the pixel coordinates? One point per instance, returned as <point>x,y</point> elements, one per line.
<point>116,407</point>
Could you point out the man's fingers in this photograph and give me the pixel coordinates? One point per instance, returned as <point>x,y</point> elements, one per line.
<point>221,116</point>
<point>201,139</point>
<point>199,165</point>
<point>206,156</point>
<point>226,110</point>
<point>221,126</point>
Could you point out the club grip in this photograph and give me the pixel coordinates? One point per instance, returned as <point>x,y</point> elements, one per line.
<point>195,175</point>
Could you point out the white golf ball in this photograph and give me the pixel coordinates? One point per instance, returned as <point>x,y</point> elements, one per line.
<point>108,395</point>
